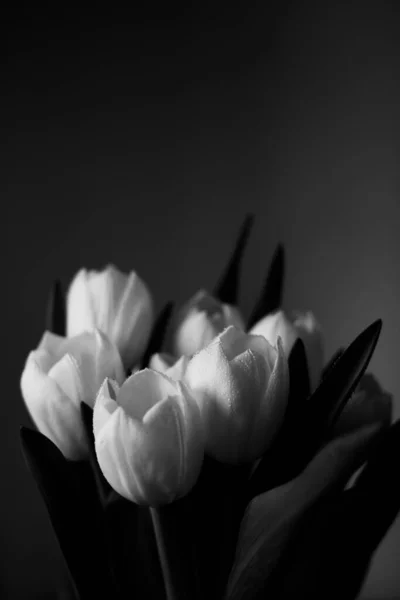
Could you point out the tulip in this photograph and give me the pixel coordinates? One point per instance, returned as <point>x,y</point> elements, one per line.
<point>203,318</point>
<point>290,328</point>
<point>148,438</point>
<point>167,364</point>
<point>59,375</point>
<point>119,305</point>
<point>369,405</point>
<point>241,384</point>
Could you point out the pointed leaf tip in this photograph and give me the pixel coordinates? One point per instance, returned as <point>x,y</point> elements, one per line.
<point>271,295</point>
<point>334,391</point>
<point>227,288</point>
<point>56,311</point>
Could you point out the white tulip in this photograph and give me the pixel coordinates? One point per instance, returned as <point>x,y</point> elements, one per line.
<point>119,305</point>
<point>241,384</point>
<point>167,364</point>
<point>203,318</point>
<point>59,375</point>
<point>148,438</point>
<point>290,327</point>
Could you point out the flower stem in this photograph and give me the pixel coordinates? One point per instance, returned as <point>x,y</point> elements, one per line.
<point>162,550</point>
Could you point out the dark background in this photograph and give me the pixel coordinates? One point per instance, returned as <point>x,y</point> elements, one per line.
<point>143,141</point>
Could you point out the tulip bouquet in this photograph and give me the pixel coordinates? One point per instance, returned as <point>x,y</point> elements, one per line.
<point>200,455</point>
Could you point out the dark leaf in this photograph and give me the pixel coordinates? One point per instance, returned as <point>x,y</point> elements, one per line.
<point>299,380</point>
<point>227,289</point>
<point>158,334</point>
<point>380,481</point>
<point>332,361</point>
<point>69,493</point>
<point>55,312</point>
<point>329,555</point>
<point>271,518</point>
<point>289,455</point>
<point>270,299</point>
<point>102,485</point>
<point>329,399</point>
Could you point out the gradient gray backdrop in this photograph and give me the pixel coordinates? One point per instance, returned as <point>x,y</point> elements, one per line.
<point>144,144</point>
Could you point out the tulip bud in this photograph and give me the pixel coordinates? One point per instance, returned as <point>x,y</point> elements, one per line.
<point>290,328</point>
<point>368,405</point>
<point>119,305</point>
<point>59,375</point>
<point>167,364</point>
<point>148,438</point>
<point>241,385</point>
<point>203,318</point>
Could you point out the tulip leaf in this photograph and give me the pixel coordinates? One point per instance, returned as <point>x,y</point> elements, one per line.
<point>380,482</point>
<point>335,542</point>
<point>102,485</point>
<point>318,417</point>
<point>227,288</point>
<point>270,299</point>
<point>158,334</point>
<point>69,493</point>
<point>272,517</point>
<point>329,399</point>
<point>55,312</point>
<point>299,379</point>
<point>332,361</point>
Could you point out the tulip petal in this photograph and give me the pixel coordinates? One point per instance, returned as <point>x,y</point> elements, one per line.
<point>196,332</point>
<point>141,391</point>
<point>95,358</point>
<point>177,370</point>
<point>161,362</point>
<point>219,396</point>
<point>272,406</point>
<point>134,317</point>
<point>65,373</point>
<point>106,288</point>
<point>105,404</point>
<point>54,413</point>
<point>53,344</point>
<point>80,315</point>
<point>140,463</point>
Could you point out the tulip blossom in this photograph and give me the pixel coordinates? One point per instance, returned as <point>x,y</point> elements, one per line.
<point>167,364</point>
<point>59,375</point>
<point>241,384</point>
<point>290,328</point>
<point>368,405</point>
<point>119,305</point>
<point>148,437</point>
<point>203,318</point>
